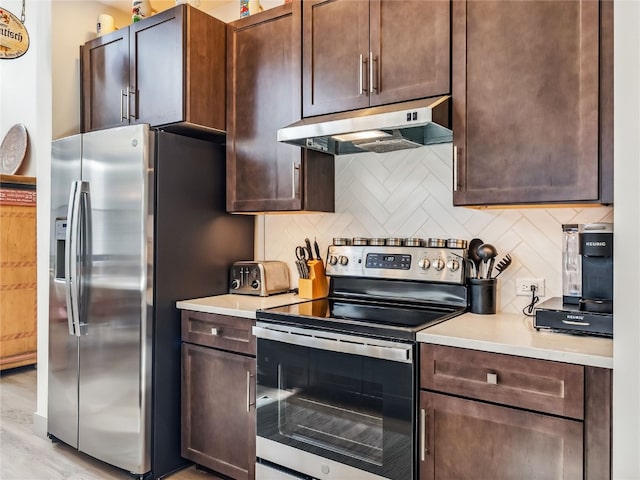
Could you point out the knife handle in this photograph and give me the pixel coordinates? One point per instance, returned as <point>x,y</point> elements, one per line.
<point>307,242</point>
<point>317,249</point>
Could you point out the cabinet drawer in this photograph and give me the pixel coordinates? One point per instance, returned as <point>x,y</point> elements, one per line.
<point>219,331</point>
<point>541,385</point>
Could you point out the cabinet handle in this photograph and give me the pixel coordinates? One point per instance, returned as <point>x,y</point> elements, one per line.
<point>129,92</point>
<point>360,89</point>
<point>455,168</point>
<point>249,403</point>
<point>133,93</point>
<point>492,378</point>
<point>423,434</point>
<point>122,94</point>
<point>295,180</point>
<point>216,331</point>
<point>371,60</point>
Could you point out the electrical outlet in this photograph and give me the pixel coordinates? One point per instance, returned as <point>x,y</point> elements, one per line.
<point>523,286</point>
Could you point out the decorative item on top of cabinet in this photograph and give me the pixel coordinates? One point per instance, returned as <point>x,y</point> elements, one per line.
<point>218,393</point>
<point>550,419</point>
<point>18,330</point>
<point>532,112</point>
<point>167,70</point>
<point>263,72</point>
<point>365,53</point>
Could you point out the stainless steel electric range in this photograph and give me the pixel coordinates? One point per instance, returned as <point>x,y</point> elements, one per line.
<point>337,377</point>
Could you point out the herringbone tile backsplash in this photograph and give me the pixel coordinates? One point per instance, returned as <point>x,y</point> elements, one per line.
<point>408,194</point>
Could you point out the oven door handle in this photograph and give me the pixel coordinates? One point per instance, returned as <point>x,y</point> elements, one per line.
<point>334,342</point>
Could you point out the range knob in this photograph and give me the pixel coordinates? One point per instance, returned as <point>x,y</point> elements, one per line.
<point>424,263</point>
<point>235,284</point>
<point>438,264</point>
<point>453,265</point>
<point>343,260</point>
<point>255,284</point>
<point>333,260</point>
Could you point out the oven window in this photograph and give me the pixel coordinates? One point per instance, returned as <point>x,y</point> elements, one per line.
<point>334,412</point>
<point>352,409</point>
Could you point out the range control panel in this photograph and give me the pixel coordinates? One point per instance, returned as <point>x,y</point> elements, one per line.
<point>445,265</point>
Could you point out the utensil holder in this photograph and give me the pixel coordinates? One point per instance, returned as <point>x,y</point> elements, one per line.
<point>482,295</point>
<point>317,285</point>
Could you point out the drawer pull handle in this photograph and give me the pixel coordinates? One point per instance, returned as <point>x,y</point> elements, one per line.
<point>492,378</point>
<point>249,402</point>
<point>424,448</point>
<point>216,331</point>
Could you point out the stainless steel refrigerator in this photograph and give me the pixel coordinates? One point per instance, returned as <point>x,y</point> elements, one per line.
<point>138,222</point>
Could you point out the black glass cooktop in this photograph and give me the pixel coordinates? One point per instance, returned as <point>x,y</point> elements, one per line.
<point>379,319</point>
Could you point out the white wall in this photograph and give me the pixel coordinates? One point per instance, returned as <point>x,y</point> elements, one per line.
<point>19,84</point>
<point>626,354</point>
<point>25,96</point>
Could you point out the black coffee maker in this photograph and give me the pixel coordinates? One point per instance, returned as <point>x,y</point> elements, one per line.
<point>586,305</point>
<point>596,252</point>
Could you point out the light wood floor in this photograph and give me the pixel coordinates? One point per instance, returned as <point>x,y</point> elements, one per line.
<point>26,456</point>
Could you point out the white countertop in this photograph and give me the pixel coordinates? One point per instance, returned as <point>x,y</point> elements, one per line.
<point>238,305</point>
<point>506,333</point>
<point>514,335</point>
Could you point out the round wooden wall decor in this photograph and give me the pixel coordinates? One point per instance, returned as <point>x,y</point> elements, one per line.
<point>14,38</point>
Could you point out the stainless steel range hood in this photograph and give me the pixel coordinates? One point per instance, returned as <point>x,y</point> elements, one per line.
<point>376,129</point>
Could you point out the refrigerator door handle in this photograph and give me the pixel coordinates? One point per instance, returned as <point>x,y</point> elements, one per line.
<point>85,253</point>
<point>71,258</point>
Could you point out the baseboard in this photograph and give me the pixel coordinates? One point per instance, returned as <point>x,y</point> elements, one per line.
<point>40,425</point>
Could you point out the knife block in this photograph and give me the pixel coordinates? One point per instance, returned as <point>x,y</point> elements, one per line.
<point>317,285</point>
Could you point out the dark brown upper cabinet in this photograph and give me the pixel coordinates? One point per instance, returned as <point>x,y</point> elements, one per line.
<point>167,70</point>
<point>263,81</point>
<point>366,53</point>
<point>532,87</point>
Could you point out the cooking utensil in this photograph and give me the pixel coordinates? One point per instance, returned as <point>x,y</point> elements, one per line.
<point>503,264</point>
<point>473,255</point>
<point>487,254</point>
<point>303,257</point>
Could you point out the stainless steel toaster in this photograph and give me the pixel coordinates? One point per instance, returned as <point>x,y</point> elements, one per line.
<point>261,278</point>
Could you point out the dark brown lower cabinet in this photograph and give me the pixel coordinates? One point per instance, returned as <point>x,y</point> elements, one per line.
<point>489,415</point>
<point>218,395</point>
<point>471,439</point>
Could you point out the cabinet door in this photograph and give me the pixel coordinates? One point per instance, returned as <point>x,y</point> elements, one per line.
<point>410,45</point>
<point>104,82</point>
<point>335,68</point>
<point>462,439</point>
<point>218,410</point>
<point>263,68</point>
<point>157,68</point>
<point>525,101</point>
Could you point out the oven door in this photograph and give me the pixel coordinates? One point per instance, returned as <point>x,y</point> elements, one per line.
<point>334,406</point>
